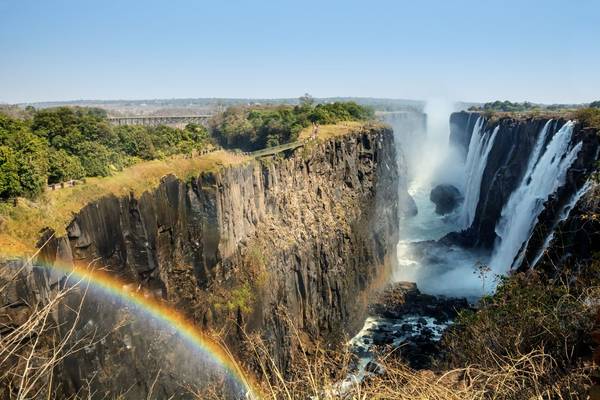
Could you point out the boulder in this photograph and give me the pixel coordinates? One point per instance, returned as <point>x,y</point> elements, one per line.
<point>446,198</point>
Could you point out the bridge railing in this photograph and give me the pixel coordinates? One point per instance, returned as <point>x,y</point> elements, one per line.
<point>154,120</point>
<point>277,149</point>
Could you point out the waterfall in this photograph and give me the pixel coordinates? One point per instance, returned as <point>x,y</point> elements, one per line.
<point>479,148</point>
<point>542,178</point>
<point>564,214</point>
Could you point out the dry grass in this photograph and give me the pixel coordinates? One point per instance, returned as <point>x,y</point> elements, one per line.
<point>32,348</point>
<point>319,373</point>
<point>20,226</point>
<point>330,131</point>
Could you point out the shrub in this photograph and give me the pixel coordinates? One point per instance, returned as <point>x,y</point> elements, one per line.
<point>63,167</point>
<point>589,117</point>
<point>9,173</point>
<point>529,314</point>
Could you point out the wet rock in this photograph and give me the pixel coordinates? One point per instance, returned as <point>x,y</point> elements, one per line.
<point>407,206</point>
<point>446,198</point>
<point>374,368</point>
<point>411,321</point>
<point>505,167</point>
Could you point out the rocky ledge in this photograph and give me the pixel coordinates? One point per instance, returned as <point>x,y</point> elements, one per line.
<point>408,321</point>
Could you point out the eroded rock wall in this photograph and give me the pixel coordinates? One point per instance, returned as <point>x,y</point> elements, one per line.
<point>506,165</point>
<point>301,237</point>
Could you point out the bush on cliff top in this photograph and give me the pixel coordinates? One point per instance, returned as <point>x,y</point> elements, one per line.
<point>589,117</point>
<point>532,317</point>
<point>256,127</point>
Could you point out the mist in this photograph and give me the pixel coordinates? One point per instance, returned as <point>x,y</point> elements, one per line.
<point>432,160</point>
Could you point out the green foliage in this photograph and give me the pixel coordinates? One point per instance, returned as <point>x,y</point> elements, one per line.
<point>63,167</point>
<point>253,128</point>
<point>507,106</point>
<point>58,144</point>
<point>595,104</point>
<point>589,117</point>
<point>32,153</point>
<point>241,298</point>
<point>9,173</point>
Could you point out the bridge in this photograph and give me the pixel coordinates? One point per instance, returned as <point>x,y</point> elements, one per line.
<point>176,121</point>
<point>269,151</point>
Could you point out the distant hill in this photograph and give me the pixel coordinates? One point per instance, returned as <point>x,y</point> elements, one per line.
<point>196,106</point>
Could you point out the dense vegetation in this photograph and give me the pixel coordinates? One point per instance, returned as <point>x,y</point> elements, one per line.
<point>595,104</point>
<point>589,117</point>
<point>252,128</point>
<point>544,321</point>
<point>508,106</point>
<point>54,145</point>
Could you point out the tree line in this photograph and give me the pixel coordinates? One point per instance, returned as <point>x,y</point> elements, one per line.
<point>55,145</point>
<point>255,127</point>
<point>46,146</point>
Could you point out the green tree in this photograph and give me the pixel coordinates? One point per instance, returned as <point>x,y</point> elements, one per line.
<point>95,158</point>
<point>9,173</point>
<point>136,141</point>
<point>32,161</point>
<point>63,167</point>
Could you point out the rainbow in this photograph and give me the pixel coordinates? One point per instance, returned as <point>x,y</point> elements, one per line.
<point>112,286</point>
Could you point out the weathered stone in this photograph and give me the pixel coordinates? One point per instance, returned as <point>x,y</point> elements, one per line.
<point>307,234</point>
<point>446,198</point>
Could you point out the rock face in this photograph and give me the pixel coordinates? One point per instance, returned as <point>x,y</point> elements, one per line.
<point>506,165</point>
<point>245,249</point>
<point>446,198</point>
<point>461,128</point>
<point>574,240</point>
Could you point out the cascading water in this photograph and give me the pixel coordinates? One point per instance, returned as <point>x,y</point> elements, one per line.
<point>480,146</point>
<point>446,270</point>
<point>542,178</point>
<point>564,214</point>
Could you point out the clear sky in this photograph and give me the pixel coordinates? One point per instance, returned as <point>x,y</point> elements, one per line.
<point>546,51</point>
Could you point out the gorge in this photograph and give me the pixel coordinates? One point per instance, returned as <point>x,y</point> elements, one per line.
<point>292,249</point>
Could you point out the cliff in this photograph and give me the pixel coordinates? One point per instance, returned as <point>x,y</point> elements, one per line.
<point>507,163</point>
<point>300,237</point>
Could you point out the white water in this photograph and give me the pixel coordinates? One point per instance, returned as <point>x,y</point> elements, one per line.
<point>564,214</point>
<point>441,270</point>
<point>479,149</point>
<point>542,179</point>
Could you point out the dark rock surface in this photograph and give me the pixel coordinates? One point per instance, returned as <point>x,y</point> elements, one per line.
<point>408,321</point>
<point>408,206</point>
<point>404,298</point>
<point>446,198</point>
<point>506,166</point>
<point>461,128</point>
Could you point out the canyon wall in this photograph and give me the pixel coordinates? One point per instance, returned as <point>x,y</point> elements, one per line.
<point>506,166</point>
<point>302,237</point>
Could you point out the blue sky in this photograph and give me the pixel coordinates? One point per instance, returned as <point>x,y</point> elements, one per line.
<point>547,51</point>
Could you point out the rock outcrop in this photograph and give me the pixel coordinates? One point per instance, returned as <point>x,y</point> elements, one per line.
<point>446,198</point>
<point>300,237</point>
